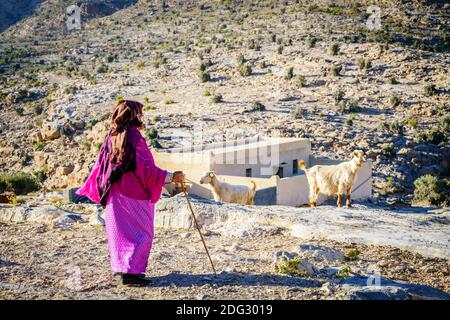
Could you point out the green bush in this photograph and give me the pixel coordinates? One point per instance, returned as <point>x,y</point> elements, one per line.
<point>240,59</point>
<point>19,183</point>
<point>311,42</point>
<point>19,110</point>
<point>289,266</point>
<point>335,70</point>
<point>430,89</point>
<point>352,254</point>
<point>347,106</point>
<point>344,272</point>
<point>151,133</point>
<point>258,106</point>
<point>393,127</point>
<point>338,96</point>
<point>431,190</point>
<point>361,63</point>
<point>392,80</point>
<point>300,81</point>
<point>334,49</point>
<point>155,144</point>
<point>103,68</point>
<point>245,70</point>
<point>3,185</point>
<point>217,98</point>
<point>388,150</point>
<point>435,136</point>
<point>394,101</point>
<point>280,49</point>
<point>289,73</point>
<point>411,122</point>
<point>204,76</point>
<point>445,123</point>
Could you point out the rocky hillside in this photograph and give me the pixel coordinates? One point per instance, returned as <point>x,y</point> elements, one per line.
<point>288,67</point>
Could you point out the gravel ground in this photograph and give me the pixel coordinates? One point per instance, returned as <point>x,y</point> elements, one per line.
<point>41,262</point>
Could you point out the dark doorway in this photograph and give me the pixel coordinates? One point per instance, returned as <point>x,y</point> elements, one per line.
<point>280,172</point>
<point>295,167</point>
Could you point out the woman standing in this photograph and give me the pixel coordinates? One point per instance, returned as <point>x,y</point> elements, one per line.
<point>127,183</point>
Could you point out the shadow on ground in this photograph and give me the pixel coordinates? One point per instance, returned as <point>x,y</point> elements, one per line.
<point>233,279</point>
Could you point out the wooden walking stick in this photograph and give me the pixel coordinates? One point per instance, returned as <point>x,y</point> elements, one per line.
<point>183,187</point>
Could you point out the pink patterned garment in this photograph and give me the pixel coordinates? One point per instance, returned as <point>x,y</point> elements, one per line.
<point>130,210</point>
<point>129,228</point>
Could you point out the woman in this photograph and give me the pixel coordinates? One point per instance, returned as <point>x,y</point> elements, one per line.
<point>127,183</point>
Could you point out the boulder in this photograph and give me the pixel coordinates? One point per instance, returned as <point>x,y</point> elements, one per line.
<point>64,170</point>
<point>50,132</point>
<point>359,288</point>
<point>321,254</point>
<point>378,293</point>
<point>46,214</point>
<point>36,136</point>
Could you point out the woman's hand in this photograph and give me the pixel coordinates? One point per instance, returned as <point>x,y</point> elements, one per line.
<point>178,177</point>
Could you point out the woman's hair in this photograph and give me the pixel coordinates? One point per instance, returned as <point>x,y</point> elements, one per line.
<point>126,114</point>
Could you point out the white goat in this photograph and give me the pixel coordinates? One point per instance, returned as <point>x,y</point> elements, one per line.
<point>226,192</point>
<point>333,179</point>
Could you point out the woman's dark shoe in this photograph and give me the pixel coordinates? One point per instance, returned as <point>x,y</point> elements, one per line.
<point>135,280</point>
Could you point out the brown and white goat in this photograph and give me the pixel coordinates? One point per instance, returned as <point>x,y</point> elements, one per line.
<point>333,179</point>
<point>226,192</point>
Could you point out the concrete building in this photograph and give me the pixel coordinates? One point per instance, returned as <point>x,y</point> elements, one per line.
<point>272,163</point>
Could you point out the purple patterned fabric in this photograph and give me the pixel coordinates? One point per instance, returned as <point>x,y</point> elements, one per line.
<point>130,230</point>
<point>145,183</point>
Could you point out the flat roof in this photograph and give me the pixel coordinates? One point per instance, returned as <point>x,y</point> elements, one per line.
<point>236,145</point>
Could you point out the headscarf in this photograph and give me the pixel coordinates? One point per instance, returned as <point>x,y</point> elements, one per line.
<point>126,114</point>
<point>118,152</point>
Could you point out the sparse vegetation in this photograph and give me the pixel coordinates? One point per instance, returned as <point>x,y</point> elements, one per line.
<point>299,112</point>
<point>217,98</point>
<point>300,81</point>
<point>344,272</point>
<point>431,190</point>
<point>394,101</point>
<point>388,150</point>
<point>334,49</point>
<point>151,133</point>
<point>258,106</point>
<point>436,136</point>
<point>429,89</point>
<point>289,266</point>
<point>19,183</point>
<point>204,76</point>
<point>393,127</point>
<point>289,73</point>
<point>392,80</point>
<point>245,70</point>
<point>335,70</point>
<point>311,42</point>
<point>411,122</point>
<point>352,254</point>
<point>140,65</point>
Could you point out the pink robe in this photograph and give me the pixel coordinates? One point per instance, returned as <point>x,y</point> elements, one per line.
<point>130,210</point>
